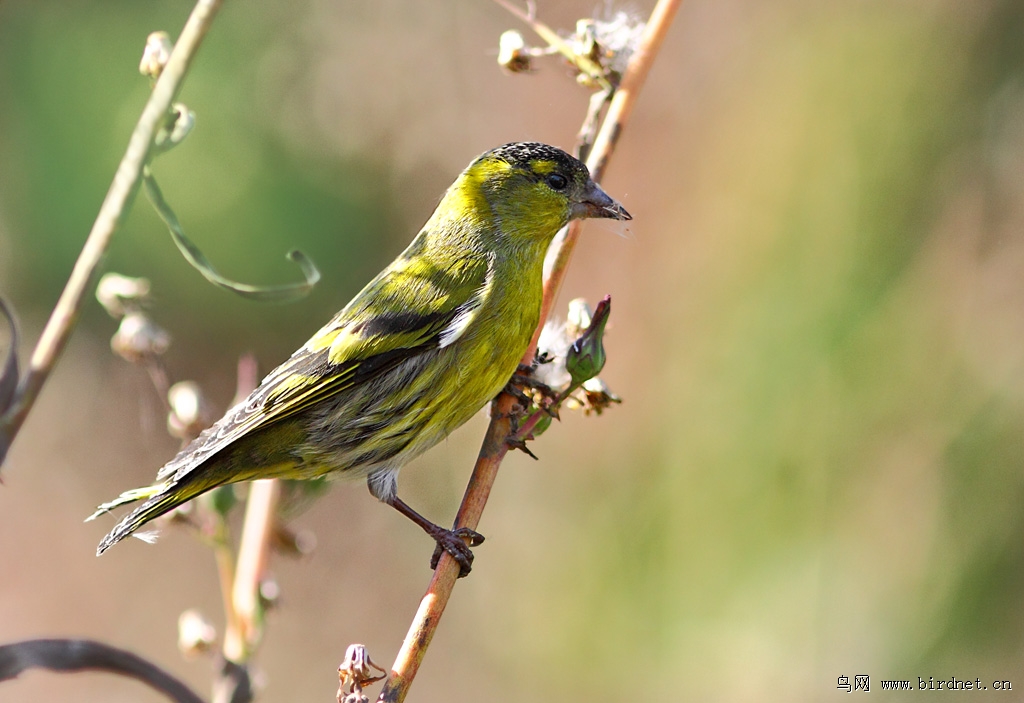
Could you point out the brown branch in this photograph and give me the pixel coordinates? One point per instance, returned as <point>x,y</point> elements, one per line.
<point>494,446</point>
<point>112,213</point>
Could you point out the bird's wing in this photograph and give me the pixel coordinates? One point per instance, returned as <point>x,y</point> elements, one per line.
<point>428,307</point>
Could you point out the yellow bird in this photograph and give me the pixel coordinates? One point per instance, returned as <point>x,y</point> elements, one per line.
<point>427,343</point>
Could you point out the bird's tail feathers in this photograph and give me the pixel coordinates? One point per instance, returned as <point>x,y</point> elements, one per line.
<point>127,497</point>
<point>160,498</point>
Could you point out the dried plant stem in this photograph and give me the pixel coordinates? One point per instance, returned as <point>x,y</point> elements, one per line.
<point>244,629</point>
<point>241,589</point>
<point>607,138</point>
<point>494,445</point>
<point>583,63</point>
<point>632,81</point>
<point>112,213</point>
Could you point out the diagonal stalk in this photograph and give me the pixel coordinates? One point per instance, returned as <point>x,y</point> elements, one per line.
<point>112,214</point>
<point>494,446</point>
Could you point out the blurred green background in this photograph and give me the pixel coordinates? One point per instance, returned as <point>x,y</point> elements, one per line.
<point>818,329</point>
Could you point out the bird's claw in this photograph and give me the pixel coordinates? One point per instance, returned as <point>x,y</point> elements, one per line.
<point>454,542</point>
<point>538,359</point>
<point>521,396</point>
<point>548,396</point>
<point>528,381</point>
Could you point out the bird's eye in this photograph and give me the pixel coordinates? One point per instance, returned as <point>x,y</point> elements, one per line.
<point>557,181</point>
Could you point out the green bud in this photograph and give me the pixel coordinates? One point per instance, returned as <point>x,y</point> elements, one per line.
<point>585,358</point>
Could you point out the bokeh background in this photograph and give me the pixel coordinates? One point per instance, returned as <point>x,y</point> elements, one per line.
<point>818,467</point>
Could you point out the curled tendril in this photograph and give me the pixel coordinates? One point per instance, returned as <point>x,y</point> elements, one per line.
<point>178,125</point>
<point>283,293</point>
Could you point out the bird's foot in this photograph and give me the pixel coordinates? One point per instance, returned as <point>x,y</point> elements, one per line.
<point>541,395</point>
<point>538,359</point>
<point>454,542</point>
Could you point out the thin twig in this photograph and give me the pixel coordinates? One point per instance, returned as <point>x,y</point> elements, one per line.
<point>494,446</point>
<point>112,213</point>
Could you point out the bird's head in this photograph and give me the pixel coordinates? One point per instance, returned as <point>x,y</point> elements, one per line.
<point>532,190</point>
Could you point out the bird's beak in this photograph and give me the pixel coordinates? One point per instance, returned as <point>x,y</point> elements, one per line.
<point>596,203</point>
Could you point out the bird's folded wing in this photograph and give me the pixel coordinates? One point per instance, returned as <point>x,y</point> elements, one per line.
<point>402,313</point>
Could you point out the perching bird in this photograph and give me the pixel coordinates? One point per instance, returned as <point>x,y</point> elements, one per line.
<point>427,343</point>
